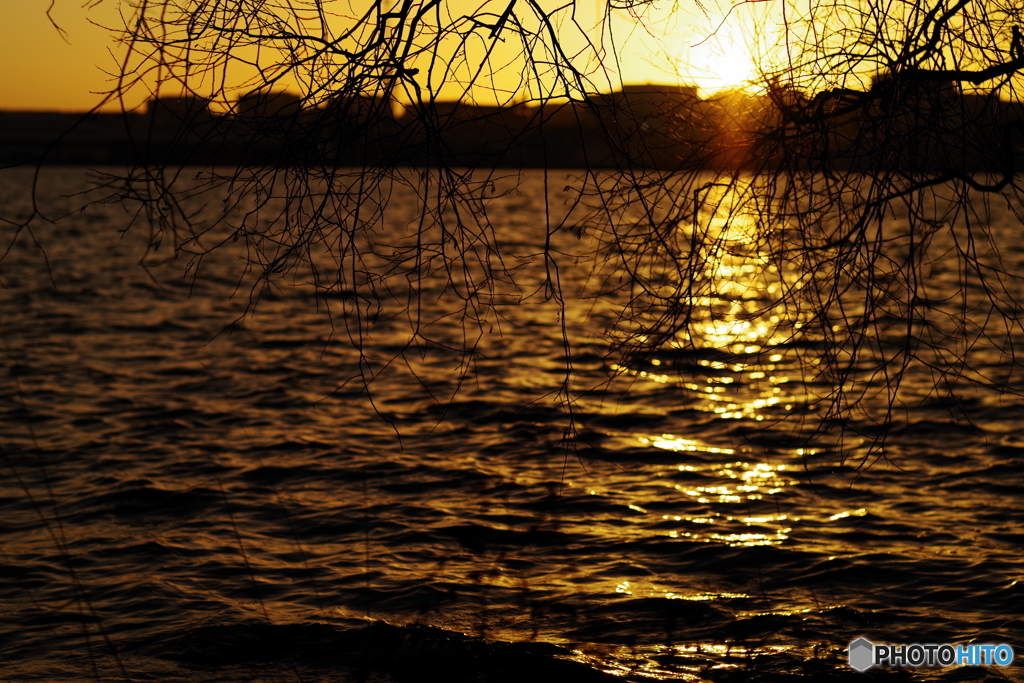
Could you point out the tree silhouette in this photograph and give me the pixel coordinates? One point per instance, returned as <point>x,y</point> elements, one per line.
<point>849,219</point>
<point>864,167</point>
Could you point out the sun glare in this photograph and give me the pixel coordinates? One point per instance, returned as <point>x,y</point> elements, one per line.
<point>731,71</point>
<point>725,47</point>
<point>722,63</point>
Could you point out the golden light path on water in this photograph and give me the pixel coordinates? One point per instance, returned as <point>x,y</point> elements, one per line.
<point>739,364</point>
<point>742,308</point>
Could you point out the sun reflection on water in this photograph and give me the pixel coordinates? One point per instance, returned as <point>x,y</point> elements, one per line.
<point>741,353</point>
<point>752,482</point>
<point>743,318</point>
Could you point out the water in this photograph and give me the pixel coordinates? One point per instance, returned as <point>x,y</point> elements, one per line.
<point>191,493</point>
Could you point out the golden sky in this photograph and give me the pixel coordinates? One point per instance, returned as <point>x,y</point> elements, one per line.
<point>40,70</point>
<point>43,70</point>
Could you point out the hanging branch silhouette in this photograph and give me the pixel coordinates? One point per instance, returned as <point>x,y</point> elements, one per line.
<point>861,190</point>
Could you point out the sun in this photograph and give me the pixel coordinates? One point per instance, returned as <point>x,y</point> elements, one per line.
<point>731,71</point>
<point>721,63</point>
<point>716,45</point>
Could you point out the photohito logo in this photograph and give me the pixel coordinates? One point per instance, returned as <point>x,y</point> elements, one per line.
<point>864,654</point>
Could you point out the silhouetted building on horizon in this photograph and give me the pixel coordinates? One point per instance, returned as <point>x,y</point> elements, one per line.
<point>268,103</point>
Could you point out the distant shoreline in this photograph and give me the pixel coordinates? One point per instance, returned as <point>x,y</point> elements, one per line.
<point>640,127</point>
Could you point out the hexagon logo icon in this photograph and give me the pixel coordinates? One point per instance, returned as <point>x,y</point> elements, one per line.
<point>862,654</point>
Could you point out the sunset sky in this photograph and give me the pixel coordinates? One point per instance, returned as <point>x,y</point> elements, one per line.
<point>43,70</point>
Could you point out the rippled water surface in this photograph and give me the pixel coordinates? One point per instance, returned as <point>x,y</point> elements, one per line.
<point>191,492</point>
